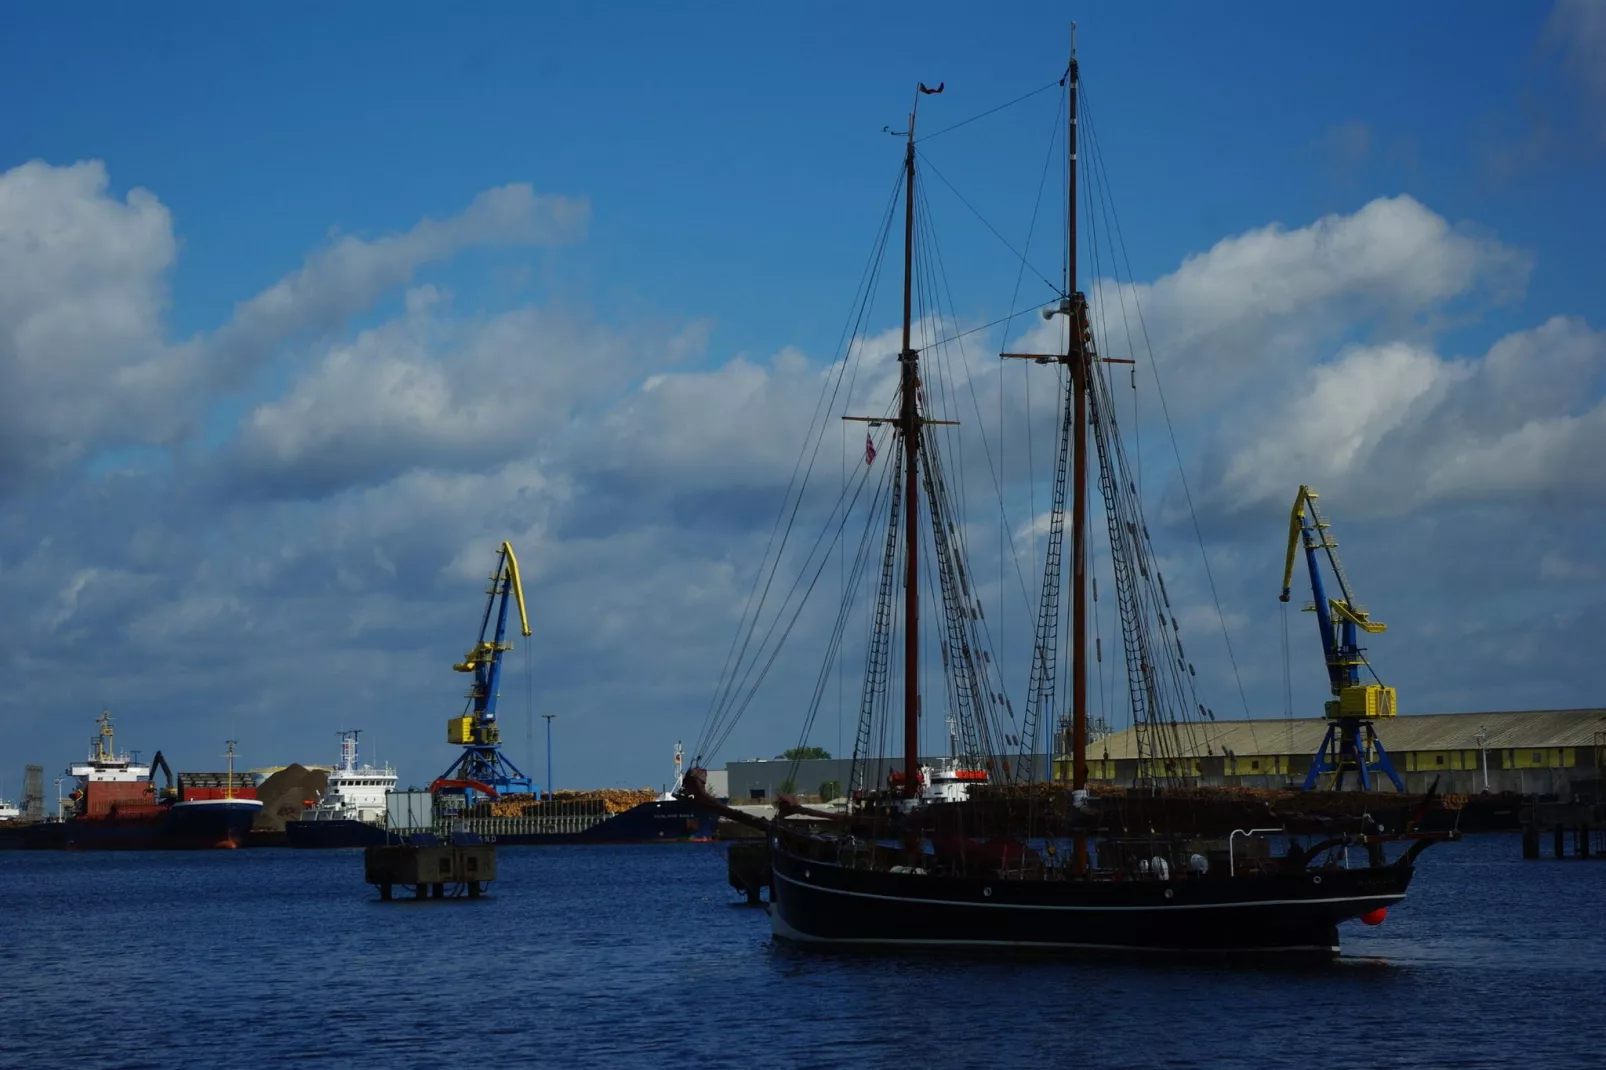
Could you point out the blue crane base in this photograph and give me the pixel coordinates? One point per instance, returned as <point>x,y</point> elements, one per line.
<point>483,764</point>
<point>1341,753</point>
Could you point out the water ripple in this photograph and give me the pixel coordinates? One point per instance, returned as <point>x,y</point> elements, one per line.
<point>627,957</point>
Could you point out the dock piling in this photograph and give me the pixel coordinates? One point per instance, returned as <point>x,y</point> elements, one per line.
<point>1580,817</point>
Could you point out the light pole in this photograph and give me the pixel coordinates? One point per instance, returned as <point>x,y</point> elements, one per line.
<point>548,717</point>
<point>1483,737</point>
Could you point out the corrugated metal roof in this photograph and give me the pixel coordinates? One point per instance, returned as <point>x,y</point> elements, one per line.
<point>1519,729</point>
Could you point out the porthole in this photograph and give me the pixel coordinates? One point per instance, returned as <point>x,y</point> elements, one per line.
<point>1316,879</point>
<point>987,891</point>
<point>1168,893</point>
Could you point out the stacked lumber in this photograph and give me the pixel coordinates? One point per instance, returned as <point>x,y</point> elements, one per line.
<point>600,801</point>
<point>614,800</point>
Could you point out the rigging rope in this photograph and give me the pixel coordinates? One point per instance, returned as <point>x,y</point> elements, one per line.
<point>833,645</point>
<point>1025,263</point>
<point>749,693</point>
<point>991,111</point>
<point>1161,687</point>
<point>978,633</point>
<point>1098,161</point>
<point>1288,681</point>
<point>529,711</point>
<point>939,346</point>
<point>724,694</point>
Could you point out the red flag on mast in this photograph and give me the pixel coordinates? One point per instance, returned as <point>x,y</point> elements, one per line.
<point>869,449</point>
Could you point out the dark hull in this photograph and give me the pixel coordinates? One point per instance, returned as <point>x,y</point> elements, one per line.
<point>823,903</point>
<point>651,822</point>
<point>33,836</point>
<point>327,834</point>
<point>180,827</point>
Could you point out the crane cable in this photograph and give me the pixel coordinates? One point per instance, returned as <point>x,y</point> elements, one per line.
<point>1288,681</point>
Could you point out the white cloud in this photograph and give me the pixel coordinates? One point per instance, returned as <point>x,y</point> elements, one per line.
<point>1258,308</point>
<point>1335,425</point>
<point>82,292</point>
<point>741,423</point>
<point>352,273</point>
<point>1401,428</point>
<point>638,488</point>
<point>84,358</point>
<point>1557,566</point>
<point>1035,528</point>
<point>425,391</point>
<point>1579,27</point>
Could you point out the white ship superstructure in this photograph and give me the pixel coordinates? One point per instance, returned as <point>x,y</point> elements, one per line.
<point>104,764</point>
<point>355,792</point>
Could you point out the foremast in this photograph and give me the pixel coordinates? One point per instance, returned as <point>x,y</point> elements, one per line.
<point>909,422</point>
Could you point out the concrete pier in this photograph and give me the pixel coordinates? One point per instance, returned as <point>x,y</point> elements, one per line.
<point>429,870</point>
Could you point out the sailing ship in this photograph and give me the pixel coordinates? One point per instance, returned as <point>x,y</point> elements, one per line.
<point>1161,865</point>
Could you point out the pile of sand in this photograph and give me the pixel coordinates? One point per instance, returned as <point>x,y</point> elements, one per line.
<point>286,794</point>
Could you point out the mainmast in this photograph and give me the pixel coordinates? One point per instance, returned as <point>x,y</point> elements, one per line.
<point>1078,359</point>
<point>1076,353</point>
<point>909,422</point>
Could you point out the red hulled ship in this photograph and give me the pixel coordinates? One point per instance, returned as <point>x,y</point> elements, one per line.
<point>117,804</point>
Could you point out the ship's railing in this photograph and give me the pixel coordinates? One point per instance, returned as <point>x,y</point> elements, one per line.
<point>559,824</point>
<point>1232,860</point>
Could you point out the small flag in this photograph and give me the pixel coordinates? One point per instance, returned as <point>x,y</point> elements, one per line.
<point>869,449</point>
<point>923,88</point>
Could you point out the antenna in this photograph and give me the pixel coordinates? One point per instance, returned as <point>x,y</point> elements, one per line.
<point>348,749</point>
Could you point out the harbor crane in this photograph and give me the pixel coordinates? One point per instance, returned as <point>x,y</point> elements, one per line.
<point>1350,743</point>
<point>482,769</point>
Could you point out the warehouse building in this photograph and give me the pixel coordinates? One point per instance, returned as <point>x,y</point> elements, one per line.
<point>1526,751</point>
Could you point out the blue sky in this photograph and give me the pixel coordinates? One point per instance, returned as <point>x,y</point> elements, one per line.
<point>726,168</point>
<point>704,135</point>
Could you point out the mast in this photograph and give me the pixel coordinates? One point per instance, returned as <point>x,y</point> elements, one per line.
<point>909,421</point>
<point>1077,353</point>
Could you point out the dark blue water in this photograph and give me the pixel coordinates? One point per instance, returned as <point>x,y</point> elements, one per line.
<point>597,956</point>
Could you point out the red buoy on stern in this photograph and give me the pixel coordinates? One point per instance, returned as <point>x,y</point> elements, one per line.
<point>1375,917</point>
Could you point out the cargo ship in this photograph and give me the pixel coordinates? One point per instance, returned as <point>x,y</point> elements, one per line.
<point>351,810</point>
<point>578,817</point>
<point>609,816</point>
<point>117,804</point>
